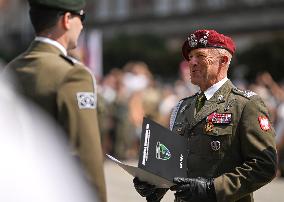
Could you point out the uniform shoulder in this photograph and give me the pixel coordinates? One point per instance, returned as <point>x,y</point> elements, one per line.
<point>65,65</point>
<point>244,93</point>
<point>60,67</point>
<point>76,64</point>
<point>78,71</point>
<point>72,61</point>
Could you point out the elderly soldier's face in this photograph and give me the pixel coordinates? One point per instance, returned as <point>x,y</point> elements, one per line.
<point>204,67</point>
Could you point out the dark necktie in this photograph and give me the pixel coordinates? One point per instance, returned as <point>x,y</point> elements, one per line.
<point>200,101</point>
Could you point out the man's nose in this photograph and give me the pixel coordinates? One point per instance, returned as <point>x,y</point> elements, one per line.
<point>193,61</point>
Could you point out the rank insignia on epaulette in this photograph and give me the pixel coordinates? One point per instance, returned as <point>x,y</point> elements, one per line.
<point>264,123</point>
<point>246,93</point>
<point>237,90</point>
<point>249,93</point>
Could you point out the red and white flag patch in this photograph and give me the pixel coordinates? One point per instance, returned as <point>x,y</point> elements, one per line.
<point>264,123</point>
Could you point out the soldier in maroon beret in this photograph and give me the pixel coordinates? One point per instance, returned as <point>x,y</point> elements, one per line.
<point>231,143</point>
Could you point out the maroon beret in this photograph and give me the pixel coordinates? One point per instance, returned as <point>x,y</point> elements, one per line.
<point>207,39</point>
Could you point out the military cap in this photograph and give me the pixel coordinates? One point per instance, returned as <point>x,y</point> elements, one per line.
<point>67,5</point>
<point>207,39</point>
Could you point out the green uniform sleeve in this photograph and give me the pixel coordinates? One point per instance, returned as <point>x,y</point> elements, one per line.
<point>257,148</point>
<point>81,124</point>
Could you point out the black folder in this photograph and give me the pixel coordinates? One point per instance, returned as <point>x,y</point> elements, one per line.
<point>162,156</point>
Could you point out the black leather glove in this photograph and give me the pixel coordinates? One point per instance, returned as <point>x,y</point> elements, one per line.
<point>143,188</point>
<point>149,191</point>
<point>194,189</point>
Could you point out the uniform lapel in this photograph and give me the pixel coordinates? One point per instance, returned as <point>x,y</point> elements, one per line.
<point>191,111</point>
<point>210,105</point>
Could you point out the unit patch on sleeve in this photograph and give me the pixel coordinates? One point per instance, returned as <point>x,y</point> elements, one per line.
<point>86,100</point>
<point>264,123</point>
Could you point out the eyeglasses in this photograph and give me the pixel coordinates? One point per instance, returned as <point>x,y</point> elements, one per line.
<point>81,14</point>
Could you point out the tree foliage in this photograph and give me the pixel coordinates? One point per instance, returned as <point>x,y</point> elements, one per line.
<point>147,48</point>
<point>266,56</point>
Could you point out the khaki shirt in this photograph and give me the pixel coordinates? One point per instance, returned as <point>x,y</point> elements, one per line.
<point>66,90</point>
<point>231,140</point>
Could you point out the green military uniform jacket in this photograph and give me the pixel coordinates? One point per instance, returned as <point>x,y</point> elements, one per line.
<point>66,90</point>
<point>235,146</point>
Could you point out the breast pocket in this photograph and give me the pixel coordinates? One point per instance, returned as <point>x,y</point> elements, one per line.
<point>219,139</point>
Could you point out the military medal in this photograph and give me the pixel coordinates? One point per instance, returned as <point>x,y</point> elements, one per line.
<point>208,127</point>
<point>219,118</point>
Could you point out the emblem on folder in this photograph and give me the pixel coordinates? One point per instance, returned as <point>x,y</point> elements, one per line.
<point>162,152</point>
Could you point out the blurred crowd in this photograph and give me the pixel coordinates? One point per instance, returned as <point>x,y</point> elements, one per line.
<point>127,94</point>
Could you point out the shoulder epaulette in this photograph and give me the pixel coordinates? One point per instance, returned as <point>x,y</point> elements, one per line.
<point>245,93</point>
<point>71,60</point>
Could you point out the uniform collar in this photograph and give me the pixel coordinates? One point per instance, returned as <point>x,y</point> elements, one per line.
<point>52,42</point>
<point>212,90</point>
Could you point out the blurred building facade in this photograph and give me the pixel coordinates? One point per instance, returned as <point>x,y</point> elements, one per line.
<point>15,27</point>
<point>245,20</point>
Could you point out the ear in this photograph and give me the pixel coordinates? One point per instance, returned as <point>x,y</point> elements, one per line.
<point>224,60</point>
<point>66,20</point>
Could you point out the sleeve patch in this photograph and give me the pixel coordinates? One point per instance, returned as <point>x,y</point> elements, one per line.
<point>86,100</point>
<point>264,123</point>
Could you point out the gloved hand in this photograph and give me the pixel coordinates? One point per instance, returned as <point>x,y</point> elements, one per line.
<point>194,188</point>
<point>149,191</point>
<point>143,188</point>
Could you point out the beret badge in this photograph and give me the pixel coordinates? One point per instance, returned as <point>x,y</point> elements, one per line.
<point>193,40</point>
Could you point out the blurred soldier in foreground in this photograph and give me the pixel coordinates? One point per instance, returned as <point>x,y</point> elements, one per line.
<point>231,143</point>
<point>60,84</point>
<point>36,164</point>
